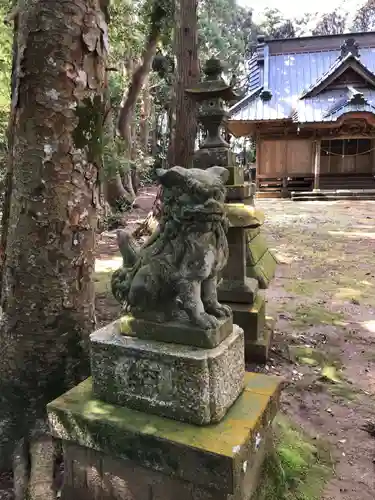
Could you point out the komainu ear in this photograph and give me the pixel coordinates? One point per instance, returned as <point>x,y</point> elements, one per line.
<point>175,176</point>
<point>221,172</point>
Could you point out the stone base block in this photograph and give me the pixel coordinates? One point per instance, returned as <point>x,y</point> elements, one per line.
<point>240,192</point>
<point>115,453</point>
<point>258,352</point>
<point>250,317</point>
<point>237,291</point>
<point>220,156</point>
<point>176,332</point>
<point>176,381</point>
<point>252,320</point>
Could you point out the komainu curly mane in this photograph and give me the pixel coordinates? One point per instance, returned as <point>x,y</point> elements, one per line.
<point>174,275</point>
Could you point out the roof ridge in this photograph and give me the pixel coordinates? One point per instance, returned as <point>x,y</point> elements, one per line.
<point>339,66</point>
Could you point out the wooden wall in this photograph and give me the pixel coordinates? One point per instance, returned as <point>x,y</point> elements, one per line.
<point>336,165</point>
<point>358,160</point>
<point>284,157</point>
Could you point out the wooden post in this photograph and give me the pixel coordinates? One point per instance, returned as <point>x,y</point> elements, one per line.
<point>257,162</point>
<point>317,164</point>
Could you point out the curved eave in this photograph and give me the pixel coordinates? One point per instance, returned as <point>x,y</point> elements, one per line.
<point>245,100</point>
<point>340,120</point>
<point>244,128</point>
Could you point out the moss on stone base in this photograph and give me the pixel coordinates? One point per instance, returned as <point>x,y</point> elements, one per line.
<point>210,456</point>
<point>297,469</point>
<point>264,270</point>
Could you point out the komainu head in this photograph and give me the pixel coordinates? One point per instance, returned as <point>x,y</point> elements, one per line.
<point>192,193</point>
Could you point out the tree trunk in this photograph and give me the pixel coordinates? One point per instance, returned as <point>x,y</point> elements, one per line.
<point>158,16</point>
<point>171,120</point>
<point>116,192</point>
<point>187,75</point>
<point>145,117</point>
<point>48,291</point>
<point>182,119</point>
<point>9,174</point>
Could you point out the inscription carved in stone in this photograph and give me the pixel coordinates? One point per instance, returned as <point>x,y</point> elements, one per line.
<point>147,377</point>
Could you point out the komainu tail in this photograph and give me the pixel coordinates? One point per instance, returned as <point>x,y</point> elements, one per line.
<point>120,285</point>
<point>121,281</point>
<point>128,248</point>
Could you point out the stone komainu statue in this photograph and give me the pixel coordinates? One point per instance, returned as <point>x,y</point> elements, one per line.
<point>173,276</point>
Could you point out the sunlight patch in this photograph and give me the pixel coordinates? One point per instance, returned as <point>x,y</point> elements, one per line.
<point>369,325</point>
<point>107,265</point>
<point>353,234</point>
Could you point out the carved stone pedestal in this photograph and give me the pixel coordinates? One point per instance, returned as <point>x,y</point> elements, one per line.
<point>176,381</point>
<point>116,453</point>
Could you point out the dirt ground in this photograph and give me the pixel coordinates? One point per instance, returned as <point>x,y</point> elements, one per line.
<point>323,302</point>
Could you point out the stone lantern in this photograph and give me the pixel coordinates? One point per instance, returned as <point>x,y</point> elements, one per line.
<point>251,265</point>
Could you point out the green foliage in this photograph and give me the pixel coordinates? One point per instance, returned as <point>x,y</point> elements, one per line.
<point>115,157</point>
<point>365,17</point>
<point>297,469</point>
<point>6,38</point>
<point>333,23</point>
<point>225,32</point>
<point>126,30</point>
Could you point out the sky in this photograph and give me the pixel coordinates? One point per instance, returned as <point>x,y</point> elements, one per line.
<point>296,8</point>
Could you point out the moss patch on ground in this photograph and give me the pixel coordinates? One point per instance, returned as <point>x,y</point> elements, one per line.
<point>309,315</point>
<point>102,282</point>
<point>299,467</point>
<point>328,362</point>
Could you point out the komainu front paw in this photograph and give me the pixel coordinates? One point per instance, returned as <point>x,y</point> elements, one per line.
<point>219,310</point>
<point>206,321</point>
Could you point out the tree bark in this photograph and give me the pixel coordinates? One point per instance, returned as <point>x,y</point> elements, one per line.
<point>9,174</point>
<point>182,111</point>
<point>115,191</point>
<point>48,291</point>
<point>145,117</point>
<point>187,75</point>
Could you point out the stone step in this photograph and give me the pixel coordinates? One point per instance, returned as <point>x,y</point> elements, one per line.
<point>334,194</point>
<point>269,194</point>
<point>351,185</point>
<point>336,198</point>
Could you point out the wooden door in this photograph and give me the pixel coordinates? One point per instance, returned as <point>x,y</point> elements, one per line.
<point>271,160</point>
<point>299,157</point>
